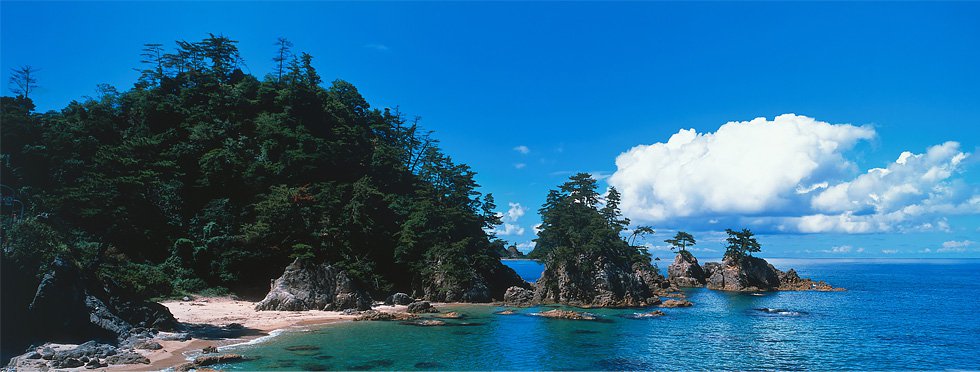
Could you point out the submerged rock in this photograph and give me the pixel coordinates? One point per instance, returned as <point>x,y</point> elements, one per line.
<point>425,323</point>
<point>506,312</point>
<point>449,315</point>
<point>566,314</point>
<point>384,316</point>
<point>685,271</point>
<point>308,286</point>
<point>652,314</point>
<point>677,303</point>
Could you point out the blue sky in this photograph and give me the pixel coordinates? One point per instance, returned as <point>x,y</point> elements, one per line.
<point>579,84</point>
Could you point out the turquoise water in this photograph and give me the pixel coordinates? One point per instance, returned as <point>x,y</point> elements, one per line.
<point>897,314</point>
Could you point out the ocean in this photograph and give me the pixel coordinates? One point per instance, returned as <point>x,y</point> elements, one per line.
<point>896,315</point>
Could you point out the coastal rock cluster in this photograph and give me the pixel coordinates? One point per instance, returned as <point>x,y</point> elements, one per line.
<point>308,286</point>
<point>748,274</point>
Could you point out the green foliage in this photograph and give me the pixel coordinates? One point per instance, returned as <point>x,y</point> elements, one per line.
<point>681,241</point>
<point>202,176</point>
<point>740,243</point>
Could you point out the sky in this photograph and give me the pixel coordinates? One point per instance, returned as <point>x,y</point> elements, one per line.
<point>830,129</point>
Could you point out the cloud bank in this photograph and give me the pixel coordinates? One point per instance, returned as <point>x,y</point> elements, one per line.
<point>789,174</point>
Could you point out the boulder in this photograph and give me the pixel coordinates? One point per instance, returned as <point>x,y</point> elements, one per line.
<point>478,285</point>
<point>305,285</point>
<point>421,307</point>
<point>399,299</point>
<point>685,271</point>
<point>517,296</point>
<point>127,357</point>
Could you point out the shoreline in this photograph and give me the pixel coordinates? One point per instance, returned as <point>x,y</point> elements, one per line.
<point>208,317</point>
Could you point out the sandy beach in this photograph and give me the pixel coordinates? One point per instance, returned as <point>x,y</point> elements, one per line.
<point>207,319</point>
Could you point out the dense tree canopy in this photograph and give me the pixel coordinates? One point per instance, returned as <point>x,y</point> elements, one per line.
<point>740,243</point>
<point>573,222</point>
<point>204,176</point>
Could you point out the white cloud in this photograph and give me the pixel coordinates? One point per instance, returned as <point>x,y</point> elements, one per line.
<point>524,150</point>
<point>519,165</point>
<point>955,246</point>
<point>516,211</point>
<point>510,226</point>
<point>889,251</point>
<point>525,247</point>
<point>790,174</point>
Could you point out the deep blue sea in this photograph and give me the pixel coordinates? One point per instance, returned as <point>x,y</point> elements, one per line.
<point>895,315</point>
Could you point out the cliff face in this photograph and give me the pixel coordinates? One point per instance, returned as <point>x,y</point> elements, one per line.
<point>685,271</point>
<point>597,282</point>
<point>308,286</point>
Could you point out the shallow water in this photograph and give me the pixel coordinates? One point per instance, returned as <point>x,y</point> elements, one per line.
<point>896,314</point>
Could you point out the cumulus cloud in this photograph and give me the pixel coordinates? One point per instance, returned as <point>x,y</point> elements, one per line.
<point>509,218</point>
<point>524,150</point>
<point>519,165</point>
<point>839,249</point>
<point>789,174</point>
<point>889,251</point>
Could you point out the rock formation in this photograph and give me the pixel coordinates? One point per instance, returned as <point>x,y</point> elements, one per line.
<point>308,286</point>
<point>421,307</point>
<point>566,314</point>
<point>399,299</point>
<point>685,271</point>
<point>597,281</point>
<point>755,274</point>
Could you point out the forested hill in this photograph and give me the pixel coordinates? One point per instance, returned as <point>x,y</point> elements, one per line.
<point>204,178</point>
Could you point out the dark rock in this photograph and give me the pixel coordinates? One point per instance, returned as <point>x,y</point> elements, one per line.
<point>479,286</point>
<point>517,296</point>
<point>301,348</point>
<point>67,363</point>
<point>207,360</point>
<point>399,299</point>
<point>308,286</point>
<point>685,271</point>
<point>73,308</point>
<point>127,357</point>
<point>47,353</point>
<point>94,363</point>
<point>427,365</point>
<point>421,307</point>
<point>148,345</point>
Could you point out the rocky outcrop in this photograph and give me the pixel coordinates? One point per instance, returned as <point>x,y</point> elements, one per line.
<point>517,296</point>
<point>685,271</point>
<point>305,285</point>
<point>481,286</point>
<point>68,307</point>
<point>597,281</point>
<point>750,274</point>
<point>791,281</point>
